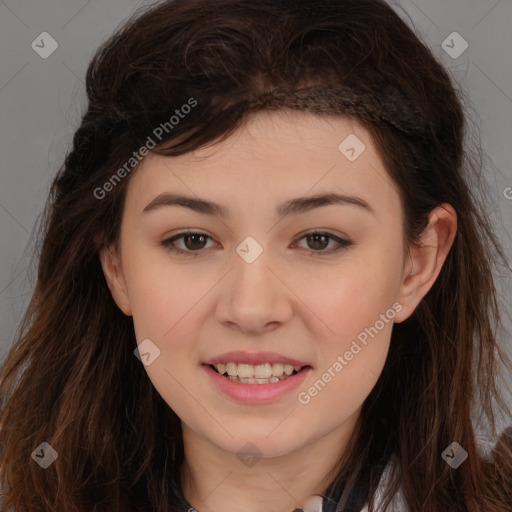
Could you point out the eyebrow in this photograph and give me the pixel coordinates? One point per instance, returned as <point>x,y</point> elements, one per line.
<point>291,207</point>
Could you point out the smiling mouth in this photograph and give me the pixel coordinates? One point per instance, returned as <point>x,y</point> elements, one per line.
<point>259,374</point>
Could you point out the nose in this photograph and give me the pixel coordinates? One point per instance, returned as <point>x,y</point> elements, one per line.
<point>254,297</point>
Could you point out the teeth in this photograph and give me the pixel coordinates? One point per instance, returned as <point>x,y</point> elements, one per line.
<point>256,381</point>
<point>262,372</point>
<point>288,369</point>
<point>277,369</point>
<point>232,369</point>
<point>246,370</point>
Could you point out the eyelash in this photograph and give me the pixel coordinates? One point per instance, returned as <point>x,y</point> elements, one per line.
<point>168,244</point>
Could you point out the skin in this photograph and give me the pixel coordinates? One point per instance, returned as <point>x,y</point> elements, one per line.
<point>290,300</point>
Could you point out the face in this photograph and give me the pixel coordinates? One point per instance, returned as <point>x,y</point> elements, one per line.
<point>256,279</point>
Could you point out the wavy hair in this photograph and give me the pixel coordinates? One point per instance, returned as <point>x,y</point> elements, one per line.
<point>70,377</point>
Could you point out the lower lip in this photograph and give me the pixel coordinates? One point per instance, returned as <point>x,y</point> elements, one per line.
<point>256,393</point>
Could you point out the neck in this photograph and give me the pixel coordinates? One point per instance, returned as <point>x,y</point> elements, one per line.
<point>215,480</point>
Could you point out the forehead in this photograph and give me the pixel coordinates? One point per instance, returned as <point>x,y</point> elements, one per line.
<point>272,156</point>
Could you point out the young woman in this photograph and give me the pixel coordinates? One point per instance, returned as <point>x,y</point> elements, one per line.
<point>266,278</point>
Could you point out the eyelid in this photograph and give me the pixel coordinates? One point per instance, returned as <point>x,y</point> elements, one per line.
<point>342,241</point>
<point>167,243</point>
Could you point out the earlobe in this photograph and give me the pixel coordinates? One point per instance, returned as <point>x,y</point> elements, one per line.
<point>426,259</point>
<point>114,276</point>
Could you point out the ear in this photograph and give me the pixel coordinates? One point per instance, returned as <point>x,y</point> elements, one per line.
<point>111,264</point>
<point>426,259</point>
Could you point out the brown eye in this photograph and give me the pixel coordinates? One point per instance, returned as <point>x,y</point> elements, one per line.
<point>193,243</point>
<point>319,241</point>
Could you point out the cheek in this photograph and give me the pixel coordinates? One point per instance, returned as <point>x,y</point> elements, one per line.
<point>353,296</point>
<point>353,351</point>
<point>351,359</point>
<point>162,294</point>
<point>355,305</point>
<point>165,302</point>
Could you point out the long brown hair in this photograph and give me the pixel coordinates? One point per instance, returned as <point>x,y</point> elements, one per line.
<point>71,378</point>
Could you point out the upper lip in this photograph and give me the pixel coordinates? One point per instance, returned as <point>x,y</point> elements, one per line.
<point>254,358</point>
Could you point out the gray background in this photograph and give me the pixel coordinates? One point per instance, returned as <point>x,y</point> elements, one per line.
<point>41,102</point>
